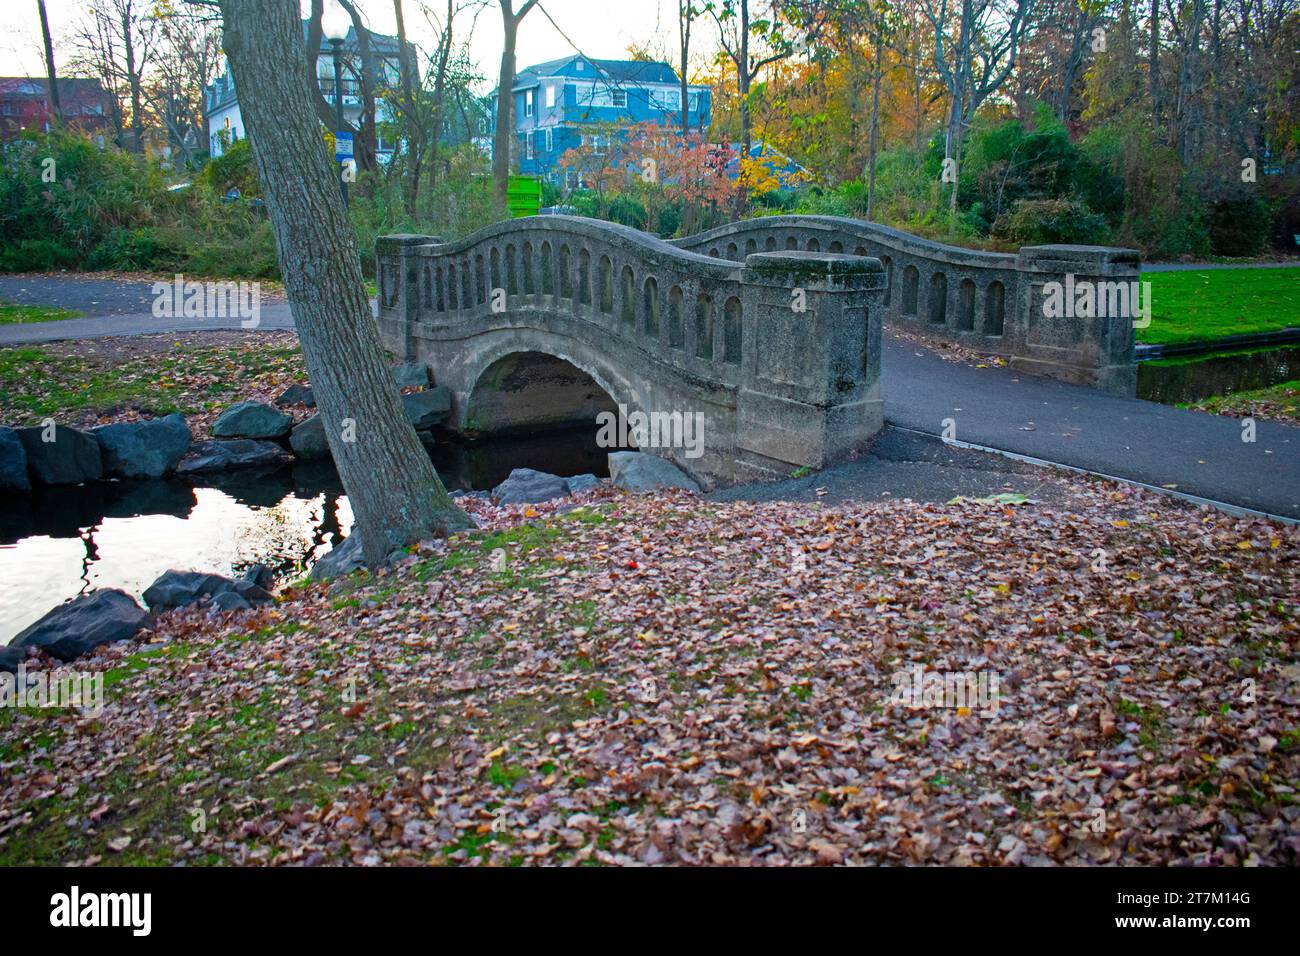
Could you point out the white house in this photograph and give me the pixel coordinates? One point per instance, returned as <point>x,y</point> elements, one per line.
<point>221,102</point>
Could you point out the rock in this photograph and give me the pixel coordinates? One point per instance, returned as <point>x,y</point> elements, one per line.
<point>252,420</point>
<point>80,626</point>
<point>148,449</point>
<point>11,657</point>
<point>639,471</point>
<point>13,462</point>
<point>297,395</point>
<point>239,453</point>
<point>411,375</point>
<point>183,588</point>
<point>71,458</point>
<point>228,601</point>
<point>260,575</point>
<point>580,483</point>
<point>342,559</point>
<point>426,439</point>
<point>428,408</point>
<point>526,486</point>
<point>308,439</point>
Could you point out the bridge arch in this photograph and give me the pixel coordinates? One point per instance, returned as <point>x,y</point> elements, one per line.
<point>663,330</point>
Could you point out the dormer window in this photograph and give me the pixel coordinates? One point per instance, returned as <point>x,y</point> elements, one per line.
<point>579,67</point>
<point>528,102</point>
<point>550,97</point>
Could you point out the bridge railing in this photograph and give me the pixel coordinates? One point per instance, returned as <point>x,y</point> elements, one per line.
<point>785,345</point>
<point>996,303</point>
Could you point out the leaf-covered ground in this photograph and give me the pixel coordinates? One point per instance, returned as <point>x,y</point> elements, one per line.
<point>94,382</point>
<point>672,680</point>
<point>1280,403</point>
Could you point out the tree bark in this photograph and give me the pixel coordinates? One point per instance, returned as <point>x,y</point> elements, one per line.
<point>875,117</point>
<point>56,111</point>
<point>395,493</point>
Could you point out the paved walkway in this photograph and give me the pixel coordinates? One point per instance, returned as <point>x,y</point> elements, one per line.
<point>1189,452</point>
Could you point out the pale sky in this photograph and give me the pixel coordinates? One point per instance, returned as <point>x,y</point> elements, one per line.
<point>600,29</point>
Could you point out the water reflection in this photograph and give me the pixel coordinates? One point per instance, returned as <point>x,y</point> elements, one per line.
<point>56,543</point>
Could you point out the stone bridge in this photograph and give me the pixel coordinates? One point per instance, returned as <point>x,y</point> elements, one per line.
<point>769,328</point>
<point>988,301</point>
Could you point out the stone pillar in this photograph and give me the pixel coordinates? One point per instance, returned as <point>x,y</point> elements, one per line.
<point>397,284</point>
<point>1050,337</point>
<point>810,378</point>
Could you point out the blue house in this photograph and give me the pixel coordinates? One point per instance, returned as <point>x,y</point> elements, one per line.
<point>559,102</point>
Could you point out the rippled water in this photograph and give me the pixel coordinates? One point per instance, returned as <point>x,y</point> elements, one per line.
<point>57,543</point>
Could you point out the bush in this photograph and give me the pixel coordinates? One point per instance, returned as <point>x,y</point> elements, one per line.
<point>1041,221</point>
<point>233,169</point>
<point>37,255</point>
<point>1239,225</point>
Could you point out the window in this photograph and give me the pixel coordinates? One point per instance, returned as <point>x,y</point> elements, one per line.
<point>665,99</point>
<point>550,139</point>
<point>618,98</point>
<point>550,97</point>
<point>530,151</point>
<point>693,102</point>
<point>528,102</point>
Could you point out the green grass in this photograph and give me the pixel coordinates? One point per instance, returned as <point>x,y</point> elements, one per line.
<point>11,314</point>
<point>40,382</point>
<point>1193,306</point>
<point>1281,401</point>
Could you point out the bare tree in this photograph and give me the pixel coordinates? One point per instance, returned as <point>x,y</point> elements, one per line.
<point>56,111</point>
<point>503,143</point>
<point>114,44</point>
<point>988,35</point>
<point>395,493</point>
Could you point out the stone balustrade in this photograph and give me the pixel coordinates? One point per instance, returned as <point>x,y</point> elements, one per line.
<point>991,302</point>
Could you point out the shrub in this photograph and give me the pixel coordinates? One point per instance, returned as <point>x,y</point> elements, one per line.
<point>1239,225</point>
<point>1039,221</point>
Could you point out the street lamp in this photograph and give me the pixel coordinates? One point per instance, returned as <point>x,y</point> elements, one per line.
<point>334,23</point>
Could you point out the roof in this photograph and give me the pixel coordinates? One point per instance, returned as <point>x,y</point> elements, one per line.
<point>617,71</point>
<point>38,86</point>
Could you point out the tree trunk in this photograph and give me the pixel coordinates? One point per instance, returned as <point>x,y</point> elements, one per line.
<point>503,143</point>
<point>684,11</point>
<point>56,111</point>
<point>133,78</point>
<point>876,78</point>
<point>395,493</point>
<point>1153,71</point>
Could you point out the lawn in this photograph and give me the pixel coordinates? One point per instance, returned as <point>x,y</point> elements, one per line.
<point>1194,306</point>
<point>1277,403</point>
<point>88,383</point>
<point>11,314</point>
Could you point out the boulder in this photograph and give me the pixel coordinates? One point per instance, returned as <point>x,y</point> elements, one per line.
<point>260,575</point>
<point>342,559</point>
<point>238,453</point>
<point>411,375</point>
<point>148,449</point>
<point>78,627</point>
<point>428,408</point>
<point>297,395</point>
<point>13,462</point>
<point>526,486</point>
<point>228,601</point>
<point>308,439</point>
<point>183,588</point>
<point>71,458</point>
<point>11,657</point>
<point>639,471</point>
<point>252,420</point>
<point>580,483</point>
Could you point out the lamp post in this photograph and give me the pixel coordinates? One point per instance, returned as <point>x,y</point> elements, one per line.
<point>334,25</point>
